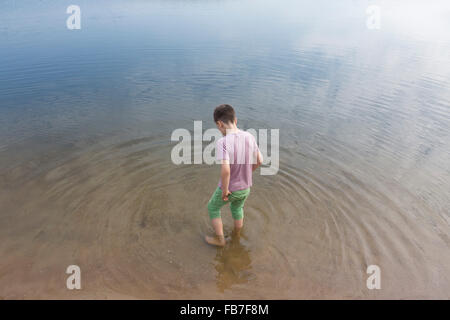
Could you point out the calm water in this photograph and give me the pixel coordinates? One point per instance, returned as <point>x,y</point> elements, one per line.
<point>85,170</point>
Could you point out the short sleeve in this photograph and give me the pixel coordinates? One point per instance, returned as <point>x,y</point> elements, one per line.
<point>255,146</point>
<point>221,150</point>
<point>255,150</point>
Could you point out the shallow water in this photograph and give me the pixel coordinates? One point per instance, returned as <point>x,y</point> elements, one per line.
<point>86,176</point>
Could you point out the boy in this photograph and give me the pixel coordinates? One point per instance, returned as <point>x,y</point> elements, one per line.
<point>237,150</point>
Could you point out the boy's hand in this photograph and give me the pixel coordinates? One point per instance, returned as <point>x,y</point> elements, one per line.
<point>225,195</point>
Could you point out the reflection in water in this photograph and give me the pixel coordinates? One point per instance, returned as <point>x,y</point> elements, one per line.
<point>233,264</point>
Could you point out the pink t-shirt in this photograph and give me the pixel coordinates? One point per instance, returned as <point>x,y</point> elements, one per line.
<point>241,149</point>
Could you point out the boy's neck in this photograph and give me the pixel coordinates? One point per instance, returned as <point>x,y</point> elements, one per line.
<point>231,128</point>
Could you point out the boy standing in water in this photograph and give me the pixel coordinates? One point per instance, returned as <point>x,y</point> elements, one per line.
<point>240,156</point>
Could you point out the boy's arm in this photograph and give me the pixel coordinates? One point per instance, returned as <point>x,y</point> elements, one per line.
<point>225,176</point>
<point>259,161</point>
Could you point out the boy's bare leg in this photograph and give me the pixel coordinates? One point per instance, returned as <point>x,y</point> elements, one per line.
<point>219,239</point>
<point>238,224</point>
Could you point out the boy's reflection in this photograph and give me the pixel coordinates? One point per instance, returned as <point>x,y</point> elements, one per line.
<point>233,264</point>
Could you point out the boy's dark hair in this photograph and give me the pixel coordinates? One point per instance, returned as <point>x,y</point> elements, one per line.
<point>224,113</point>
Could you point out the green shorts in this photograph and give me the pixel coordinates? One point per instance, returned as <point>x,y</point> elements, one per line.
<point>236,200</point>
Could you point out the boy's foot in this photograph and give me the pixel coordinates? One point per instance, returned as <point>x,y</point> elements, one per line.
<point>215,241</point>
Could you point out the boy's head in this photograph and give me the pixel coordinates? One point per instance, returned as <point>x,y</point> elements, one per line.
<point>224,117</point>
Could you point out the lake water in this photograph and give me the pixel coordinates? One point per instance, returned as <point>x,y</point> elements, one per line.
<point>86,176</point>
